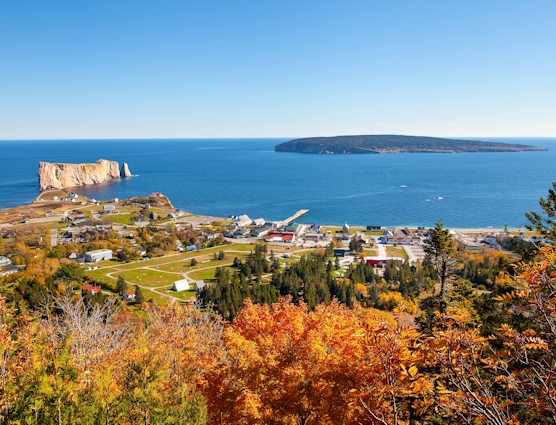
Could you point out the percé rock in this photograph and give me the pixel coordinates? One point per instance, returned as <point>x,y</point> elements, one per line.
<point>58,176</point>
<point>124,171</point>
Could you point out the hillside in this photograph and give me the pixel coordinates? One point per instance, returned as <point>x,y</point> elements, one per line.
<point>394,144</point>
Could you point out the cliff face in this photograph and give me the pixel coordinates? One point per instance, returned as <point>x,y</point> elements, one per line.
<point>59,176</point>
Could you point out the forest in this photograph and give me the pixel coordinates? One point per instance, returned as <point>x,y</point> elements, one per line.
<point>460,339</point>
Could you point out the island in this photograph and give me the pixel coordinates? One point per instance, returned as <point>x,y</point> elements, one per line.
<point>387,143</point>
<point>59,176</point>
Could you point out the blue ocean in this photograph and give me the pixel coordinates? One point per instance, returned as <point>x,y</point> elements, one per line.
<point>221,177</point>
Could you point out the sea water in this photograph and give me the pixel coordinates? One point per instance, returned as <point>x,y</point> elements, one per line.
<point>221,177</point>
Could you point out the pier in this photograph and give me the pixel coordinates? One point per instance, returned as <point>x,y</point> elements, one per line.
<point>294,217</point>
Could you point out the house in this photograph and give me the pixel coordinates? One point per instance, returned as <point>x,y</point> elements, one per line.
<point>191,248</point>
<point>172,216</point>
<point>48,213</point>
<point>76,258</point>
<point>128,296</point>
<point>141,251</point>
<point>242,220</point>
<point>361,237</point>
<point>261,230</point>
<point>179,213</point>
<point>110,208</point>
<point>374,228</point>
<point>315,228</point>
<point>394,236</point>
<point>199,285</point>
<point>5,261</point>
<point>280,237</point>
<point>10,269</point>
<point>80,215</point>
<point>98,255</point>
<point>259,222</point>
<point>181,285</point>
<point>92,289</point>
<point>312,237</point>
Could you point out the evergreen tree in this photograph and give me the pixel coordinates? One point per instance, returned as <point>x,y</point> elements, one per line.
<point>193,262</point>
<point>545,225</point>
<point>441,252</point>
<point>337,263</point>
<point>121,285</point>
<point>139,298</point>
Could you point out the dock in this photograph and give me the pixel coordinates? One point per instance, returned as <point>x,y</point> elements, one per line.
<point>294,217</point>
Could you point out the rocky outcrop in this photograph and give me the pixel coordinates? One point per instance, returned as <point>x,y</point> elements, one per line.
<point>58,176</point>
<point>124,171</point>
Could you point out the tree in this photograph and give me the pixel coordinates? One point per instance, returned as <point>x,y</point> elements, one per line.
<point>337,263</point>
<point>544,225</point>
<point>193,262</point>
<point>122,285</point>
<point>139,298</point>
<point>441,252</point>
<point>221,255</point>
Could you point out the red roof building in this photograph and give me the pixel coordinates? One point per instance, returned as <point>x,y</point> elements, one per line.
<point>92,289</point>
<point>280,237</point>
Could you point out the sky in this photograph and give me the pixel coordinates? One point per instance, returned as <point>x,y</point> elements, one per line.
<point>276,68</point>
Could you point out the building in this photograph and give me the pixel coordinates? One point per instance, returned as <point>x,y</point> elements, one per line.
<point>109,208</point>
<point>260,231</point>
<point>259,222</point>
<point>242,220</point>
<point>128,296</point>
<point>5,261</point>
<point>312,237</point>
<point>340,252</point>
<point>199,285</point>
<point>181,285</point>
<point>281,237</point>
<point>98,255</point>
<point>394,236</point>
<point>8,270</point>
<point>92,289</point>
<point>381,261</point>
<point>345,228</point>
<point>363,238</point>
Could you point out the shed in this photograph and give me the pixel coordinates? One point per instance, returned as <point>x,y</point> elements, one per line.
<point>181,285</point>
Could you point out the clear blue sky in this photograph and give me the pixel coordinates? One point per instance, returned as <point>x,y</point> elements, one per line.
<point>276,68</point>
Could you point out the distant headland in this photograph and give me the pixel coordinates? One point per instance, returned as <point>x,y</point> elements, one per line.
<point>394,144</point>
<point>59,176</point>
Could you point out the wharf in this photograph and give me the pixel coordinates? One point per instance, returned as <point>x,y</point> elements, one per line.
<point>294,217</point>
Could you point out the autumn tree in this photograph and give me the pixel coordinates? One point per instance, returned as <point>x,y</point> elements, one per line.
<point>440,249</point>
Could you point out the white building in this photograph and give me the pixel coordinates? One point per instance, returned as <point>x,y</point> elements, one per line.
<point>243,220</point>
<point>5,261</point>
<point>199,285</point>
<point>259,222</point>
<point>109,208</point>
<point>98,255</point>
<point>181,285</point>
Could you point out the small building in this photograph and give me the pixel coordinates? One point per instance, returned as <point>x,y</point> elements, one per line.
<point>312,237</point>
<point>374,228</point>
<point>141,251</point>
<point>260,231</point>
<point>92,289</point>
<point>242,220</point>
<point>361,237</point>
<point>315,228</point>
<point>199,285</point>
<point>340,252</point>
<point>48,213</point>
<point>110,208</point>
<point>345,228</point>
<point>5,261</point>
<point>128,296</point>
<point>381,261</point>
<point>181,285</point>
<point>98,255</point>
<point>259,222</point>
<point>191,248</point>
<point>8,270</point>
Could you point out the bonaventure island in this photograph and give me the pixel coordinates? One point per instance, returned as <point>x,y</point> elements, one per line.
<point>133,311</point>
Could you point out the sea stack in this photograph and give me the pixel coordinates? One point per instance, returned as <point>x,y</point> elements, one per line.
<point>124,171</point>
<point>58,176</point>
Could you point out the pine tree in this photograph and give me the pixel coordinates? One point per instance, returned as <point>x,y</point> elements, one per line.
<point>121,285</point>
<point>441,251</point>
<point>139,298</point>
<point>545,225</point>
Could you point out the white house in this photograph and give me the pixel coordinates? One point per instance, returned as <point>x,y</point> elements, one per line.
<point>243,220</point>
<point>5,261</point>
<point>181,285</point>
<point>259,222</point>
<point>199,285</point>
<point>109,208</point>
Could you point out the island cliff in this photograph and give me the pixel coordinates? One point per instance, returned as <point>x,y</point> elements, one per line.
<point>394,144</point>
<point>58,176</point>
